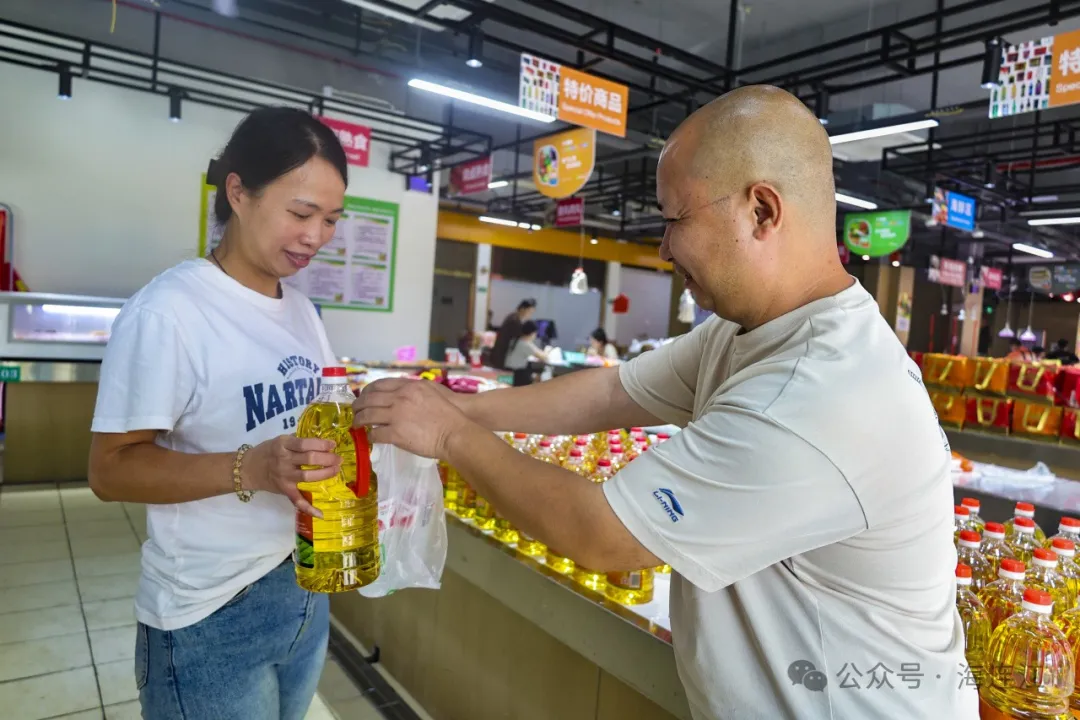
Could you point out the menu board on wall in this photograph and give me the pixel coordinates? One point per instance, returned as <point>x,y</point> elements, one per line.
<point>354,271</point>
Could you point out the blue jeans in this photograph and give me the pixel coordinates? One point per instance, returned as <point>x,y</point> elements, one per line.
<point>257,658</point>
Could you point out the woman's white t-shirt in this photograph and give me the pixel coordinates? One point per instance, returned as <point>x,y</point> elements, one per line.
<point>213,365</point>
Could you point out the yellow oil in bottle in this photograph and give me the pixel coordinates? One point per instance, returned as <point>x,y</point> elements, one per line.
<point>559,562</point>
<point>1029,665</point>
<point>1068,529</point>
<point>968,554</point>
<point>450,491</point>
<point>1027,511</point>
<point>664,569</point>
<point>1067,567</point>
<point>973,505</point>
<point>976,622</point>
<point>961,522</point>
<point>1003,597</point>
<point>630,588</point>
<point>485,514</point>
<point>466,499</point>
<point>339,551</point>
<point>1042,574</point>
<point>1069,622</point>
<point>1023,541</point>
<point>993,546</point>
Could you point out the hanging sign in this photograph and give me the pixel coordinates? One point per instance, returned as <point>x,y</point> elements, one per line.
<point>569,212</point>
<point>470,177</point>
<point>356,139</point>
<point>954,210</point>
<point>1056,279</point>
<point>1038,74</point>
<point>946,271</point>
<point>991,278</point>
<point>877,233</point>
<point>572,96</point>
<point>563,163</point>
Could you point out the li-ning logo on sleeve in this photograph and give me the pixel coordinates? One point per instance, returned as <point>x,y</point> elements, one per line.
<point>671,505</point>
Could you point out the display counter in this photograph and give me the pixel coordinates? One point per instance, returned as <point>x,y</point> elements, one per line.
<point>51,348</point>
<point>507,637</point>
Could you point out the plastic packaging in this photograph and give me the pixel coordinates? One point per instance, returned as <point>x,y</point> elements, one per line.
<point>412,527</point>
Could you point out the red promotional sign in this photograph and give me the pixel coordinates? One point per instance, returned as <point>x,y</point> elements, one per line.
<point>845,253</point>
<point>570,212</point>
<point>471,177</point>
<point>356,139</point>
<point>946,271</point>
<point>992,278</point>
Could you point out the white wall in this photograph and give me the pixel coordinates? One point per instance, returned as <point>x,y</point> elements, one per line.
<point>106,195</point>
<point>575,316</point>
<point>650,304</point>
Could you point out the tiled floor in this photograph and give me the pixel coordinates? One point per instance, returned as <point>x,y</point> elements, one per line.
<point>69,566</point>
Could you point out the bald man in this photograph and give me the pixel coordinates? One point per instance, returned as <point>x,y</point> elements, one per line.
<point>806,505</point>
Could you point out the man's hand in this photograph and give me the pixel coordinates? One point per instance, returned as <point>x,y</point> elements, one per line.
<point>415,415</point>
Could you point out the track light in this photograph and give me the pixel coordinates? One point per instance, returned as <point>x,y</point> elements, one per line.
<point>1032,250</point>
<point>480,100</point>
<point>175,97</point>
<point>496,184</point>
<point>883,131</point>
<point>821,105</point>
<point>991,70</point>
<point>476,49</point>
<point>988,175</point>
<point>64,92</point>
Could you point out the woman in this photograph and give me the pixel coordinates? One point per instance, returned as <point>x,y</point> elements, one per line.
<point>207,371</point>
<point>522,350</point>
<point>599,345</point>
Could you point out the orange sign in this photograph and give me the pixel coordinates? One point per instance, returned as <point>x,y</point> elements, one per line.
<point>563,163</point>
<point>593,102</point>
<point>1065,74</point>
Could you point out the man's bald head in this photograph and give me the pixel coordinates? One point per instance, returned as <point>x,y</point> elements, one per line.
<point>759,133</point>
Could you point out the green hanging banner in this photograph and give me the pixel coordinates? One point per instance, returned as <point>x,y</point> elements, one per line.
<point>877,233</point>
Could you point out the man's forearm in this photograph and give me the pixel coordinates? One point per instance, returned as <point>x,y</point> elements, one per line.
<point>549,503</point>
<point>580,402</point>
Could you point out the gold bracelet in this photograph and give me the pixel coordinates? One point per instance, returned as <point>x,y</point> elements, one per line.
<point>238,486</point>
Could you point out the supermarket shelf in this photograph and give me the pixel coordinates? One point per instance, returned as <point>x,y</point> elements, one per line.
<point>1064,460</point>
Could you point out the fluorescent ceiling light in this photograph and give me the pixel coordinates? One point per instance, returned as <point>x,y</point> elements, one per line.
<point>855,202</point>
<point>478,100</point>
<point>1032,250</point>
<point>1075,220</point>
<point>883,131</point>
<point>496,184</point>
<point>536,227</point>
<point>499,221</point>
<point>82,310</point>
<point>395,14</point>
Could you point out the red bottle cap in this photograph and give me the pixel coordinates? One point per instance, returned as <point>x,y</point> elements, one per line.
<point>1026,507</point>
<point>637,429</point>
<point>520,436</point>
<point>575,453</point>
<point>961,510</point>
<point>581,441</point>
<point>962,571</point>
<point>1044,554</point>
<point>970,502</point>
<point>995,527</point>
<point>1013,565</point>
<point>613,432</point>
<point>1024,522</point>
<point>1070,522</point>
<point>545,443</point>
<point>334,371</point>
<point>1037,597</point>
<point>970,536</point>
<point>663,436</point>
<point>1063,544</point>
<point>603,462</point>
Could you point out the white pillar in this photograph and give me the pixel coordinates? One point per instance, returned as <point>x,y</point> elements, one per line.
<point>481,286</point>
<point>611,289</point>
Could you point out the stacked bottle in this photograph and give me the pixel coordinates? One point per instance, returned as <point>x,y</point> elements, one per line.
<point>961,522</point>
<point>1003,597</point>
<point>968,554</point>
<point>1023,541</point>
<point>1024,510</point>
<point>973,505</point>
<point>1042,574</point>
<point>1029,665</point>
<point>976,622</point>
<point>1068,529</point>
<point>1065,550</point>
<point>993,546</point>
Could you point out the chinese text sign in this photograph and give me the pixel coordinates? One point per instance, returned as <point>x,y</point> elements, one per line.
<point>355,139</point>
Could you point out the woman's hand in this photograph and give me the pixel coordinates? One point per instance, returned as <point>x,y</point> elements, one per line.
<point>275,466</point>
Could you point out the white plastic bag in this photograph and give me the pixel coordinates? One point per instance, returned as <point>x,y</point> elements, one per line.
<point>412,528</point>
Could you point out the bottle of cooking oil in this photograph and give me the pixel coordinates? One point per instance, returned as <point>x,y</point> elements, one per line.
<point>1069,622</point>
<point>554,559</point>
<point>1029,665</point>
<point>973,505</point>
<point>961,522</point>
<point>634,587</point>
<point>466,498</point>
<point>1023,541</point>
<point>1069,529</point>
<point>617,457</point>
<point>976,623</point>
<point>593,579</point>
<point>1043,575</point>
<point>484,517</point>
<point>1067,567</point>
<point>339,551</point>
<point>1024,510</point>
<point>993,546</point>
<point>968,554</point>
<point>450,490</point>
<point>1003,597</point>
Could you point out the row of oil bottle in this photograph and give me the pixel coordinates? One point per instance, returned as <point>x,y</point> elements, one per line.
<point>595,457</point>
<point>1017,592</point>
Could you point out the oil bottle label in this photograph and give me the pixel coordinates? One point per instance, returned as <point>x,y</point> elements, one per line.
<point>626,580</point>
<point>305,546</point>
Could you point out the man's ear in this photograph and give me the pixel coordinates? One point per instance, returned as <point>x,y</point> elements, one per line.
<point>768,209</point>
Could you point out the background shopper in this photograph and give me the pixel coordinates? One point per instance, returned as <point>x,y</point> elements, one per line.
<point>802,534</point>
<point>1061,352</point>
<point>599,345</point>
<point>211,358</point>
<point>509,331</point>
<point>522,352</point>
